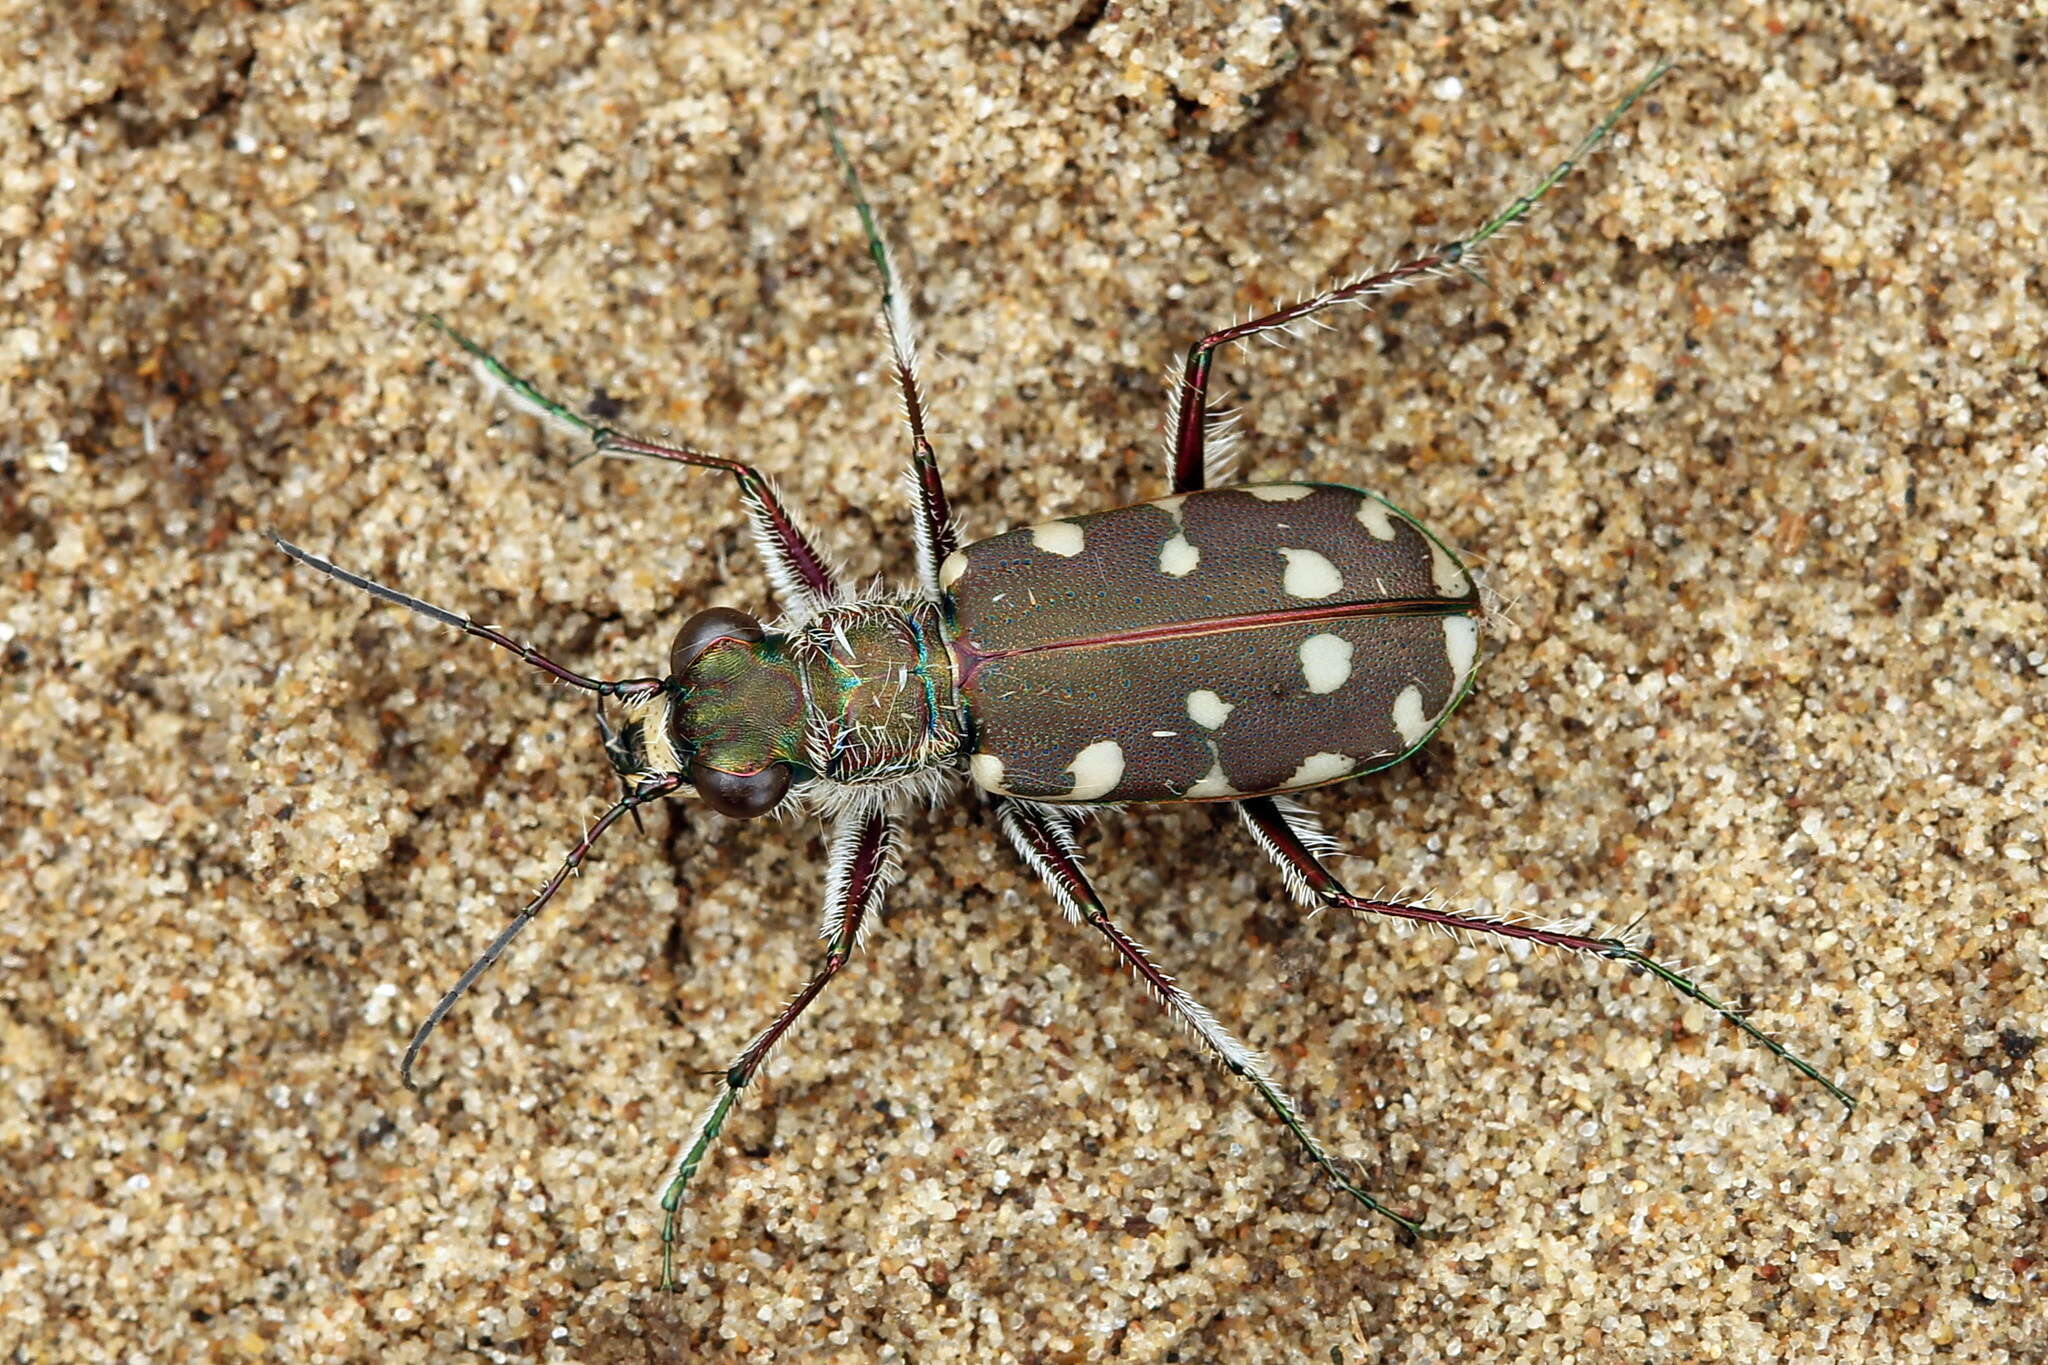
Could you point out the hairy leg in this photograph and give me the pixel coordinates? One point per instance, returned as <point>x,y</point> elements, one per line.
<point>861,866</point>
<point>1291,838</point>
<point>1044,839</point>
<point>1189,419</point>
<point>803,580</point>
<point>932,517</point>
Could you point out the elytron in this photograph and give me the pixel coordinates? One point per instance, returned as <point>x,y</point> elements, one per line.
<point>1226,642</point>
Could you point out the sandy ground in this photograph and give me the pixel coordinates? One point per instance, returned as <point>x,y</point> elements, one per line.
<point>1751,429</point>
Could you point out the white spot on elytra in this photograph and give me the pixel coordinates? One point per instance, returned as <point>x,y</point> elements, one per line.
<point>1165,734</point>
<point>1208,710</point>
<point>1279,492</point>
<point>987,771</point>
<point>949,571</point>
<point>1096,769</point>
<point>1309,574</point>
<point>1409,722</point>
<point>1058,538</point>
<point>1326,662</point>
<point>1319,768</point>
<point>1461,644</point>
<point>1451,580</point>
<point>1376,517</point>
<point>1178,558</point>
<point>1212,783</point>
<point>1171,506</point>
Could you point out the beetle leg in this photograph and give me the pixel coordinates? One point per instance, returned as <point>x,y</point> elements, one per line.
<point>932,515</point>
<point>1044,839</point>
<point>803,579</point>
<point>1291,838</point>
<point>1189,419</point>
<point>861,867</point>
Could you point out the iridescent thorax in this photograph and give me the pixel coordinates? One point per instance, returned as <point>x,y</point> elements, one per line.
<point>857,694</point>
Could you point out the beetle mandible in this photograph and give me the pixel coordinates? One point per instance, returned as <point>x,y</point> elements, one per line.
<point>1239,643</point>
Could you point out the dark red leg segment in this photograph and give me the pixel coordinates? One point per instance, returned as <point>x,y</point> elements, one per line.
<point>1190,411</point>
<point>800,574</point>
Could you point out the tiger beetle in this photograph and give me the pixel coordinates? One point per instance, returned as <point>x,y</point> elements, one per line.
<point>1228,642</point>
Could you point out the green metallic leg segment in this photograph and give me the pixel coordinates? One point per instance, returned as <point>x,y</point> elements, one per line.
<point>1044,840</point>
<point>802,577</point>
<point>862,866</point>
<point>1189,417</point>
<point>1289,837</point>
<point>1522,207</point>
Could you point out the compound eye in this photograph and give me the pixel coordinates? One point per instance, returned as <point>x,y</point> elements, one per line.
<point>742,796</point>
<point>705,629</point>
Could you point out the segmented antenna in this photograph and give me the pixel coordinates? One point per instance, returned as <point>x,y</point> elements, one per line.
<point>651,791</point>
<point>603,687</point>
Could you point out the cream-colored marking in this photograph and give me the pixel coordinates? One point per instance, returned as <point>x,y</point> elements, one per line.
<point>1165,734</point>
<point>1319,768</point>
<point>1409,722</point>
<point>1178,558</point>
<point>1171,506</point>
<point>1208,710</point>
<point>1212,783</point>
<point>987,770</point>
<point>1058,538</point>
<point>1096,769</point>
<point>1376,517</point>
<point>1326,662</point>
<point>949,571</point>
<point>1279,492</point>
<point>1310,574</point>
<point>1461,643</point>
<point>1450,579</point>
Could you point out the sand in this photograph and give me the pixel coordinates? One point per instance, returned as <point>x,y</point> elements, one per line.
<point>1749,431</point>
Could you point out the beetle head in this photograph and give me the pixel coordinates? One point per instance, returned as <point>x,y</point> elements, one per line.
<point>729,717</point>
